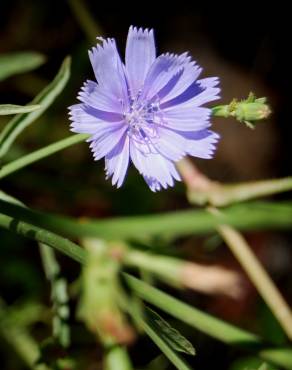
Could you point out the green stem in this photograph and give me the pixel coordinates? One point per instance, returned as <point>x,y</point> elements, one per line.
<point>250,216</point>
<point>40,154</point>
<point>43,236</point>
<point>208,324</point>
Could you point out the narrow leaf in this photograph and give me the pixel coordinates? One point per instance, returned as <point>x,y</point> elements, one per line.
<point>164,346</point>
<point>137,311</point>
<point>170,335</point>
<point>14,63</point>
<point>45,98</point>
<point>6,109</point>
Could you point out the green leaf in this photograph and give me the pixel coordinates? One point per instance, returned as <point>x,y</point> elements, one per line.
<point>164,346</point>
<point>45,98</point>
<point>14,63</point>
<point>6,109</point>
<point>170,335</point>
<point>163,342</point>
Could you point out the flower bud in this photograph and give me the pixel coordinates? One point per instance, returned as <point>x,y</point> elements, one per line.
<point>248,110</point>
<point>252,111</point>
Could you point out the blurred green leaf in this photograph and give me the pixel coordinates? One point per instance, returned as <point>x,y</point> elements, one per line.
<point>14,63</point>
<point>170,335</point>
<point>251,363</point>
<point>6,109</point>
<point>117,358</point>
<point>269,326</point>
<point>45,98</point>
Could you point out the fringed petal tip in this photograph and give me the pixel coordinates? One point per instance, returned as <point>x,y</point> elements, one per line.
<point>141,31</point>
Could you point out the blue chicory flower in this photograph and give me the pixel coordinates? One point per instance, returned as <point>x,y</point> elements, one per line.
<point>147,111</point>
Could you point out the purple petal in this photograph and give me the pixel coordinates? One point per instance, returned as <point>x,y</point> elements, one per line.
<point>103,143</point>
<point>161,72</point>
<point>153,166</point>
<point>209,82</point>
<point>94,95</point>
<point>187,118</point>
<point>170,144</point>
<point>82,121</point>
<point>103,115</point>
<point>200,144</point>
<point>170,85</point>
<point>210,93</point>
<point>117,161</point>
<point>140,54</point>
<point>108,69</point>
<point>191,71</point>
<point>193,90</point>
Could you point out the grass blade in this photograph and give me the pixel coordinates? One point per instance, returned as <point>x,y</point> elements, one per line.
<point>40,154</point>
<point>45,98</point>
<point>173,357</point>
<point>168,333</point>
<point>14,63</point>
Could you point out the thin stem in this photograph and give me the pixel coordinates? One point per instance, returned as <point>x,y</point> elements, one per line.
<point>222,195</point>
<point>43,236</point>
<point>40,154</point>
<point>203,191</point>
<point>258,275</point>
<point>250,216</point>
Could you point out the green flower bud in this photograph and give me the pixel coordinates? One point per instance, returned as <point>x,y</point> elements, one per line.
<point>247,111</point>
<point>253,111</point>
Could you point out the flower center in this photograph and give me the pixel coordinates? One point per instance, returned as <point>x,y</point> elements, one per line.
<point>140,118</point>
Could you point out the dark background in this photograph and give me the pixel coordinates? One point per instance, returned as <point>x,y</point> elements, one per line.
<point>246,44</point>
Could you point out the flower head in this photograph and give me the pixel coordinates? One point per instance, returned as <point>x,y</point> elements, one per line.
<point>147,111</point>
